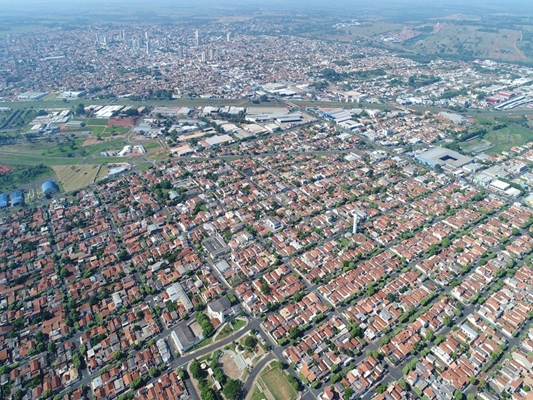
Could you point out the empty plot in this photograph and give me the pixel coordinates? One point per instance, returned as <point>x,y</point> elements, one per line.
<point>230,365</point>
<point>73,177</point>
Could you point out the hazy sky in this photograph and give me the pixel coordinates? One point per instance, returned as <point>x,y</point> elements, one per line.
<point>26,7</point>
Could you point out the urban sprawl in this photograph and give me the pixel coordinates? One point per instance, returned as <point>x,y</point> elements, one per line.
<point>274,248</point>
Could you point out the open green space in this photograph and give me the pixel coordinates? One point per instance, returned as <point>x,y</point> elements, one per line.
<point>224,332</point>
<point>276,382</point>
<point>475,145</point>
<point>50,150</point>
<point>74,177</point>
<point>151,145</point>
<point>17,159</point>
<point>506,138</point>
<point>257,394</point>
<point>143,167</point>
<point>96,121</point>
<point>22,175</point>
<point>238,324</point>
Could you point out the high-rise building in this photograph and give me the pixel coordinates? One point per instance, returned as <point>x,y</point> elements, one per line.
<point>101,39</point>
<point>124,35</point>
<point>197,38</point>
<point>180,51</point>
<point>228,37</point>
<point>203,56</point>
<point>210,54</point>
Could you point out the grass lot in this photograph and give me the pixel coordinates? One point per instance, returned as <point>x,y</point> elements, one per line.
<point>113,131</point>
<point>203,343</point>
<point>151,145</point>
<point>22,175</point>
<point>96,121</point>
<point>238,324</point>
<point>504,139</point>
<point>475,145</point>
<point>224,332</point>
<point>275,381</point>
<point>374,29</point>
<point>20,159</point>
<point>76,176</point>
<point>102,173</point>
<point>258,394</point>
<point>143,167</point>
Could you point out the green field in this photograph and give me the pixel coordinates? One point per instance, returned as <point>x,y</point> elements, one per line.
<point>76,148</point>
<point>257,394</point>
<point>475,145</point>
<point>274,381</point>
<point>76,176</point>
<point>504,139</point>
<point>22,175</point>
<point>151,145</point>
<point>143,167</point>
<point>96,121</point>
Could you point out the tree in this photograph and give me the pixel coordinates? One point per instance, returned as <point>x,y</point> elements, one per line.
<point>232,389</point>
<point>153,372</point>
<point>348,393</point>
<point>381,388</point>
<point>473,380</point>
<point>356,331</point>
<point>195,369</point>
<point>80,109</point>
<point>220,375</point>
<point>250,342</point>
<point>447,321</point>
<point>136,383</point>
<point>76,361</point>
<point>205,323</point>
<point>458,395</point>
<point>208,394</point>
<point>265,288</point>
<point>294,332</point>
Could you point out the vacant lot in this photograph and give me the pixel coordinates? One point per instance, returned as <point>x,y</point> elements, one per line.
<point>73,177</point>
<point>227,361</point>
<point>504,139</point>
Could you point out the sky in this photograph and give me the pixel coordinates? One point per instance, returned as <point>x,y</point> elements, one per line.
<point>26,7</point>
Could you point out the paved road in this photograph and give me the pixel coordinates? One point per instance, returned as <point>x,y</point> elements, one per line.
<point>247,387</point>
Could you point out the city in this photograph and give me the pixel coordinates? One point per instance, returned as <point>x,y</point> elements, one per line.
<point>220,212</point>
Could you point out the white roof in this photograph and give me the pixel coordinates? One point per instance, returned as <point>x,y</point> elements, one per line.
<point>500,185</point>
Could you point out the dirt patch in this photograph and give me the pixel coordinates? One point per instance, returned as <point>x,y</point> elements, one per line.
<point>5,169</point>
<point>230,366</point>
<point>93,140</point>
<point>196,329</point>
